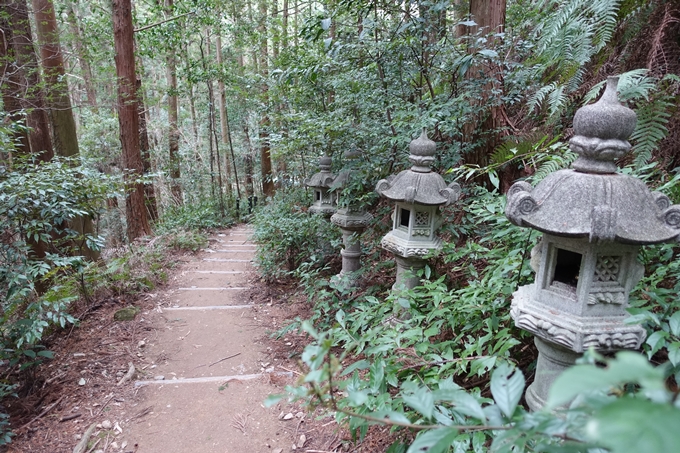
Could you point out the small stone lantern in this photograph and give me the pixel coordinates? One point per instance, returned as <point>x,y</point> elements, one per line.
<point>593,221</point>
<point>418,192</point>
<point>324,199</point>
<point>352,221</point>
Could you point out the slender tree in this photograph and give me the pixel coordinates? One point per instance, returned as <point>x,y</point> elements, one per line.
<point>173,115</point>
<point>224,122</point>
<point>82,55</point>
<point>128,119</point>
<point>265,149</point>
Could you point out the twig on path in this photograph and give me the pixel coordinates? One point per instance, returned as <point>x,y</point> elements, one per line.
<point>66,418</point>
<point>290,371</point>
<point>101,409</point>
<point>82,445</point>
<point>128,375</point>
<point>94,446</point>
<point>224,358</point>
<point>43,413</point>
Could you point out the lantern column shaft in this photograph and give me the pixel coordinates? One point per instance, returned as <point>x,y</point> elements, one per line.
<point>407,270</point>
<point>351,255</point>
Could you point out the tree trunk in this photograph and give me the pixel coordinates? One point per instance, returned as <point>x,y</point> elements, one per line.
<point>224,126</point>
<point>284,26</point>
<point>173,115</point>
<point>11,88</point>
<point>212,133</point>
<point>27,90</point>
<point>484,130</point>
<point>265,152</point>
<point>145,151</point>
<point>128,119</point>
<point>58,100</point>
<point>83,60</point>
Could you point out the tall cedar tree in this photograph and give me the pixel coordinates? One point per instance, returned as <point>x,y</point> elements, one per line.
<point>485,129</point>
<point>65,137</point>
<point>23,88</point>
<point>58,101</point>
<point>128,119</point>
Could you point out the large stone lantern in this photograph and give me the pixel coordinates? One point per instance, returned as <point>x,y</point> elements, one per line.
<point>324,199</point>
<point>417,192</point>
<point>593,221</point>
<point>352,221</point>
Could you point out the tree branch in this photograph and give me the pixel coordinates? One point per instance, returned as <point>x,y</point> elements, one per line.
<point>169,19</point>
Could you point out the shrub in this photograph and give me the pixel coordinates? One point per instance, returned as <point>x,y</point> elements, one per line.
<point>287,235</point>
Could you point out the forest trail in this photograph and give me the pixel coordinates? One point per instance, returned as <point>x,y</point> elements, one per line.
<point>211,375</point>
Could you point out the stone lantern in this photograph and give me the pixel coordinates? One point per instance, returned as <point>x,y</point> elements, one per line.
<point>593,221</point>
<point>324,199</point>
<point>352,221</point>
<point>417,193</point>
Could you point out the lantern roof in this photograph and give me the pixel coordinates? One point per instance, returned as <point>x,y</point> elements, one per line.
<point>324,178</point>
<point>592,199</point>
<point>419,184</point>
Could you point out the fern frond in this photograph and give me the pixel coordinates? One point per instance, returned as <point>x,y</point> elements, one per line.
<point>660,102</point>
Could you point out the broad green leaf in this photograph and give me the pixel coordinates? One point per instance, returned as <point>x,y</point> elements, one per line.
<point>377,375</point>
<point>463,402</point>
<point>421,400</point>
<point>627,367</point>
<point>433,441</point>
<point>359,365</point>
<point>674,353</point>
<point>404,302</point>
<point>272,400</point>
<point>631,425</point>
<point>674,323</point>
<point>656,341</point>
<point>357,397</point>
<point>507,386</point>
<point>395,416</point>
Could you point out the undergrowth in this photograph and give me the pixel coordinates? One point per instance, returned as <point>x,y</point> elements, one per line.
<point>444,361</point>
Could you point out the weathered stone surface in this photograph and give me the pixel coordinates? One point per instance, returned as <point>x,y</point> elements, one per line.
<point>602,207</point>
<point>352,221</point>
<point>322,181</point>
<point>593,220</point>
<point>417,193</point>
<point>419,184</point>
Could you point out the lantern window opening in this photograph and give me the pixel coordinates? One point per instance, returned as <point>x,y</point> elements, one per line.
<point>567,269</point>
<point>318,195</point>
<point>404,218</point>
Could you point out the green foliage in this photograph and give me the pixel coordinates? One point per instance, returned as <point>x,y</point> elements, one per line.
<point>569,34</point>
<point>202,215</point>
<point>288,236</point>
<point>40,204</point>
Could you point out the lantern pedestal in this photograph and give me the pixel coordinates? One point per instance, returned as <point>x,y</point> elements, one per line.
<point>552,361</point>
<point>352,224</point>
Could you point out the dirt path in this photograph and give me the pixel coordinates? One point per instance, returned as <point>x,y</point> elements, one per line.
<point>210,374</point>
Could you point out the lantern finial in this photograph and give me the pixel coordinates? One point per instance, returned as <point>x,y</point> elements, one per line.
<point>601,132</point>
